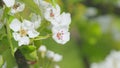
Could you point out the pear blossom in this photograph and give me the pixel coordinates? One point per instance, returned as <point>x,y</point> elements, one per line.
<point>23,31</point>
<point>62,20</point>
<point>61,34</point>
<point>52,12</point>
<point>15,6</point>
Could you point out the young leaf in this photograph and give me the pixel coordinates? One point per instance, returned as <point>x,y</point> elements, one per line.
<point>29,52</point>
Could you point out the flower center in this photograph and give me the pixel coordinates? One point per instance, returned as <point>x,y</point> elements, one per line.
<point>23,32</point>
<point>59,35</point>
<point>51,13</point>
<point>16,6</point>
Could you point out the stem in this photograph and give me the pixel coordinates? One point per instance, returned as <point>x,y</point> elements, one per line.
<point>9,37</point>
<point>48,64</point>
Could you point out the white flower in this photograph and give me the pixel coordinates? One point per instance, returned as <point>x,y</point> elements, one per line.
<point>23,31</point>
<point>50,54</point>
<point>52,12</point>
<point>18,7</point>
<point>15,6</point>
<point>9,3</point>
<point>61,34</point>
<point>62,20</point>
<point>57,57</point>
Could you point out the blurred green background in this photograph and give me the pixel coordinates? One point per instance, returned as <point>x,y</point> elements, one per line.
<point>94,31</point>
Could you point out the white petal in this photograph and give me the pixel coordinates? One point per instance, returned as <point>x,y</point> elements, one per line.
<point>33,33</point>
<point>27,25</point>
<point>66,18</point>
<point>15,25</point>
<point>16,36</point>
<point>56,29</point>
<point>63,20</point>
<point>9,3</point>
<point>24,41</point>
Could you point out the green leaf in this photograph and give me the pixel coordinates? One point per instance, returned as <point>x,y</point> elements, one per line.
<point>32,6</point>
<point>29,52</point>
<point>3,45</point>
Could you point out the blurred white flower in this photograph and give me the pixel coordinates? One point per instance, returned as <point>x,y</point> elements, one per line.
<point>50,54</point>
<point>61,34</point>
<point>42,48</point>
<point>62,20</point>
<point>9,3</point>
<point>54,56</point>
<point>116,32</point>
<point>111,61</point>
<point>57,57</point>
<point>91,11</point>
<point>104,22</point>
<point>23,31</point>
<point>52,12</point>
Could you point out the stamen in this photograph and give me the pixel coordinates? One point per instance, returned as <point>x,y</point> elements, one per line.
<point>23,32</point>
<point>59,35</point>
<point>51,13</point>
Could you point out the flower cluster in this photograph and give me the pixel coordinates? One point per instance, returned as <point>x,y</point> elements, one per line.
<point>60,22</point>
<point>111,61</point>
<point>22,30</point>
